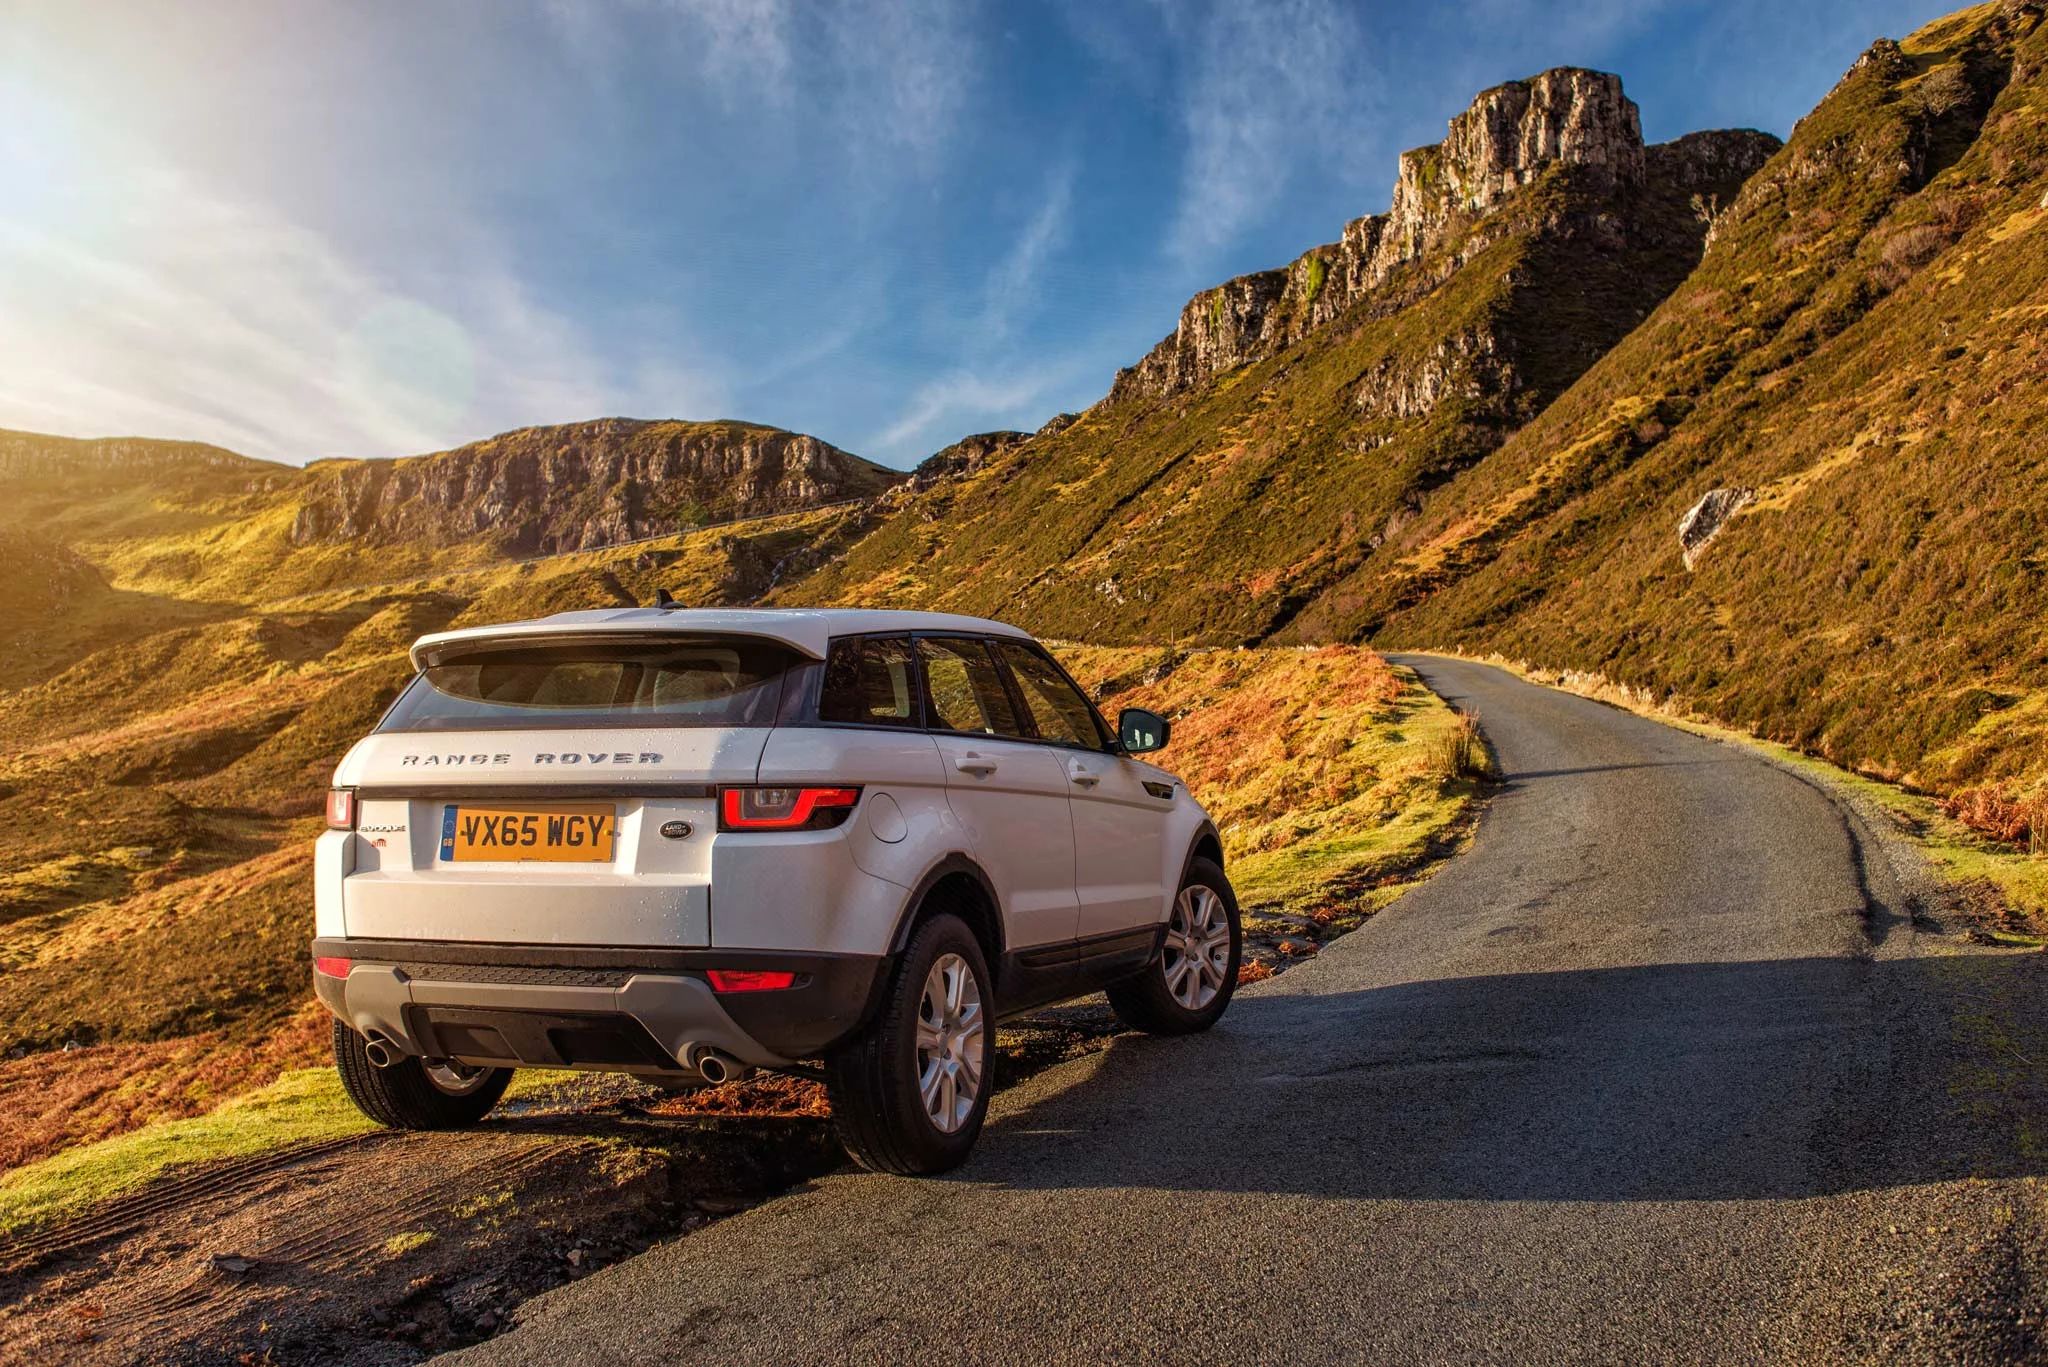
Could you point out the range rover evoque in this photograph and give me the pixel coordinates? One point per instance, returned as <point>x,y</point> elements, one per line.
<point>690,844</point>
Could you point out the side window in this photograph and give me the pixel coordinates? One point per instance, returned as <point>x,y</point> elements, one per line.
<point>1057,707</point>
<point>868,682</point>
<point>965,688</point>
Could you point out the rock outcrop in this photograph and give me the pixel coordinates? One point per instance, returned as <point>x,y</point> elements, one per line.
<point>964,456</point>
<point>1512,136</point>
<point>1705,519</point>
<point>547,489</point>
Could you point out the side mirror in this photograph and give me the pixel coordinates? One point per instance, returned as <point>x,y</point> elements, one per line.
<point>1143,732</point>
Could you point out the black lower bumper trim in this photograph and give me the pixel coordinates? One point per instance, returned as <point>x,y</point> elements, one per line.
<point>834,994</point>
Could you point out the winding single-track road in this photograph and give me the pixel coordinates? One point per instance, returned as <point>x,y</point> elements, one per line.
<point>1654,1073</point>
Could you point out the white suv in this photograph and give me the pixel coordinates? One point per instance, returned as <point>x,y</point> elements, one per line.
<point>693,843</point>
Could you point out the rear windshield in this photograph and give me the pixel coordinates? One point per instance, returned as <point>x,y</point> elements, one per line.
<point>709,683</point>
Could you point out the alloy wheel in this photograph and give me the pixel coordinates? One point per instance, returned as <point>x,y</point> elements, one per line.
<point>1197,953</point>
<point>951,1043</point>
<point>456,1079</point>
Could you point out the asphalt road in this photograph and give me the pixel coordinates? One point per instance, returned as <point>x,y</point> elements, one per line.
<point>1643,1077</point>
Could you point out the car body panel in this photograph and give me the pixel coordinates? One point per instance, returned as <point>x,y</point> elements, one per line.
<point>1010,796</point>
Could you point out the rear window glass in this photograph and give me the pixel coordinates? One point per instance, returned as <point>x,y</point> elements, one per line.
<point>869,682</point>
<point>711,683</point>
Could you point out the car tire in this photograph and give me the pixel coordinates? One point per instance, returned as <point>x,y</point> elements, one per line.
<point>410,1095</point>
<point>910,1091</point>
<point>1189,982</point>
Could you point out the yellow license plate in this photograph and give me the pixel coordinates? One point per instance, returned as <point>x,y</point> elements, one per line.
<point>556,832</point>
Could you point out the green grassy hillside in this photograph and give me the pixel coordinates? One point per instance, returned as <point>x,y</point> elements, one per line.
<point>1860,355</point>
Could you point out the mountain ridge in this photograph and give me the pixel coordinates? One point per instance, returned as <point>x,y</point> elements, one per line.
<point>1347,384</point>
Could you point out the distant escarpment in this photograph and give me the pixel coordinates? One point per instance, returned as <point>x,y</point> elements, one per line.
<point>546,489</point>
<point>1569,121</point>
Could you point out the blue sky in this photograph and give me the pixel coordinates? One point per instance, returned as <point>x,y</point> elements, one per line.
<point>376,228</point>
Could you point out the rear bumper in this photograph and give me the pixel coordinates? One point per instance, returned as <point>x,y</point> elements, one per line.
<point>633,1010</point>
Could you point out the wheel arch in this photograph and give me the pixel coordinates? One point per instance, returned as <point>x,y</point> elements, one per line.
<point>1207,844</point>
<point>958,885</point>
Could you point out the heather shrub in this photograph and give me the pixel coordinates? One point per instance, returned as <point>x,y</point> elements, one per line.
<point>1996,812</point>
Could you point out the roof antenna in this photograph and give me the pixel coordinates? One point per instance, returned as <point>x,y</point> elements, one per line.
<point>664,599</point>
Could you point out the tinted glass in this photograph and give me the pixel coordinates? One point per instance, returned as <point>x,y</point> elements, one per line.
<point>1057,707</point>
<point>868,682</point>
<point>709,683</point>
<point>965,688</point>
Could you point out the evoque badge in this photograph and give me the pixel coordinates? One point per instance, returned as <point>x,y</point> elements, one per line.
<point>677,830</point>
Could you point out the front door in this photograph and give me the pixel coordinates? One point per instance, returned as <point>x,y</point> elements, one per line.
<point>1010,793</point>
<point>1119,827</point>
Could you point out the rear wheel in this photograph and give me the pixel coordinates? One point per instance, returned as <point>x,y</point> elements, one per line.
<point>1188,985</point>
<point>910,1091</point>
<point>413,1094</point>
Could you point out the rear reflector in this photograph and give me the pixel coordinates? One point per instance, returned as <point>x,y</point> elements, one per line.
<point>730,980</point>
<point>331,968</point>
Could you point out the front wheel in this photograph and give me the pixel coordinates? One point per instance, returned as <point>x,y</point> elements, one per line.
<point>412,1094</point>
<point>1187,986</point>
<point>909,1092</point>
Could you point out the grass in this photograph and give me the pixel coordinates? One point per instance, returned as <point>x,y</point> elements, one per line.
<point>305,1105</point>
<point>1321,767</point>
<point>301,1107</point>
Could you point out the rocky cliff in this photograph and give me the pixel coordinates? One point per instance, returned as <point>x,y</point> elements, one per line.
<point>545,489</point>
<point>1567,120</point>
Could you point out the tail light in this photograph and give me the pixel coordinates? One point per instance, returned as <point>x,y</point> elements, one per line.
<point>784,809</point>
<point>341,809</point>
<point>738,980</point>
<point>331,968</point>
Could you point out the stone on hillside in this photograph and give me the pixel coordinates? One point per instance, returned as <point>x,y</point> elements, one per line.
<point>1705,519</point>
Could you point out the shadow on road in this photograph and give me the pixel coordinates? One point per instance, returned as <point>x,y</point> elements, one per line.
<point>1682,1082</point>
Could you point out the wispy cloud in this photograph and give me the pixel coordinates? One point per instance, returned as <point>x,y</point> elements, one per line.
<point>1270,85</point>
<point>1015,286</point>
<point>890,75</point>
<point>962,402</point>
<point>151,306</point>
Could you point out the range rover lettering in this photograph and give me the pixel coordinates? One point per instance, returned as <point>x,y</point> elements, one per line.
<point>690,844</point>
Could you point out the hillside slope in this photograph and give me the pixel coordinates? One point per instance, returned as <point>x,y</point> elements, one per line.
<point>1295,418</point>
<point>1859,364</point>
<point>125,537</point>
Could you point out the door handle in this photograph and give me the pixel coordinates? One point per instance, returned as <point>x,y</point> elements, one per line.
<point>979,765</point>
<point>1082,774</point>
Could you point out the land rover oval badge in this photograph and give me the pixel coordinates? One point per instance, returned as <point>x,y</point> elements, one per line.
<point>677,830</point>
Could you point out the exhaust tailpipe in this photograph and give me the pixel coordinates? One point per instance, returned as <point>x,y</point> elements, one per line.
<point>380,1054</point>
<point>715,1065</point>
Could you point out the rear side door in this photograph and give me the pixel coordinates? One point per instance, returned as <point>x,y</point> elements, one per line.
<point>1119,825</point>
<point>1010,792</point>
